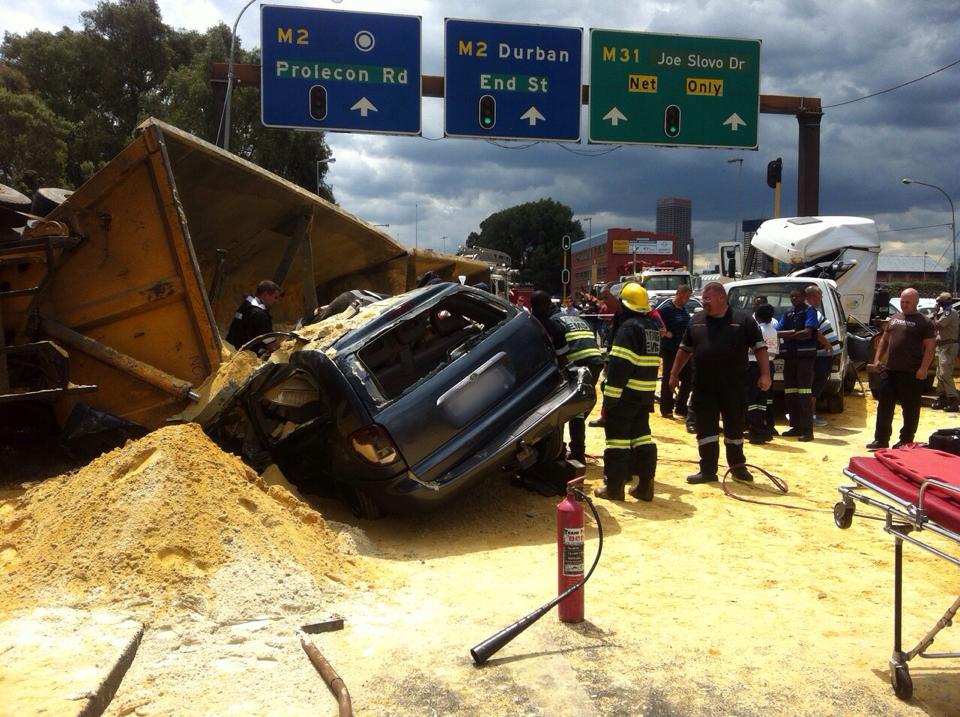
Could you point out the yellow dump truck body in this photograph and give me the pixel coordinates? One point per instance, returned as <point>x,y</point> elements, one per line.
<point>168,221</point>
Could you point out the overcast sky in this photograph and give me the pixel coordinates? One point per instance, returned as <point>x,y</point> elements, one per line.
<point>836,50</point>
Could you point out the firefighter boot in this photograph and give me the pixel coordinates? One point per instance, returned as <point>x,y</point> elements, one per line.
<point>952,405</point>
<point>644,460</point>
<point>616,464</point>
<point>940,403</point>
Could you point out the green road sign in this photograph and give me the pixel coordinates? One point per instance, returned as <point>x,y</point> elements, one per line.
<point>675,90</point>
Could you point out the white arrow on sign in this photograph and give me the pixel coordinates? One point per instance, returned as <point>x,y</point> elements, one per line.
<point>532,115</point>
<point>735,122</point>
<point>615,116</point>
<point>365,106</point>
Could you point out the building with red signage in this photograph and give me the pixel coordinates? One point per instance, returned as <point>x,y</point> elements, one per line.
<point>605,257</point>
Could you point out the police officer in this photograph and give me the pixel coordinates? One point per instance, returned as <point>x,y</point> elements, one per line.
<point>252,319</point>
<point>718,339</point>
<point>798,330</point>
<point>628,399</point>
<point>573,341</point>
<point>947,322</point>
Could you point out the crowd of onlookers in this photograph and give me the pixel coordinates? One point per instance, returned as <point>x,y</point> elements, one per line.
<point>719,365</point>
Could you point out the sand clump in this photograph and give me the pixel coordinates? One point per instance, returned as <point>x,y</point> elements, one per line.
<point>160,525</point>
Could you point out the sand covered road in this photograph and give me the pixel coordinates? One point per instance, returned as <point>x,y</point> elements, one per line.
<point>701,605</point>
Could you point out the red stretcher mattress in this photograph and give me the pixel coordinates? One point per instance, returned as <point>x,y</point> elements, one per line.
<point>901,471</point>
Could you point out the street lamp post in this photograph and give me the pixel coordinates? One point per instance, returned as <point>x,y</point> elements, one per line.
<point>736,226</point>
<point>328,160</point>
<point>953,227</point>
<point>226,103</point>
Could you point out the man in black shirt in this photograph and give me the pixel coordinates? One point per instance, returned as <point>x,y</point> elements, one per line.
<point>252,319</point>
<point>718,339</point>
<point>675,319</point>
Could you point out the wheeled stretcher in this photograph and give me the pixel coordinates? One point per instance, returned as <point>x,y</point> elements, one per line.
<point>918,489</point>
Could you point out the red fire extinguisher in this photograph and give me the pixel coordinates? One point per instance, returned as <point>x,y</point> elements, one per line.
<point>570,554</point>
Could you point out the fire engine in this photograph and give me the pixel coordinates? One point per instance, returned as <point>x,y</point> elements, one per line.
<point>660,280</point>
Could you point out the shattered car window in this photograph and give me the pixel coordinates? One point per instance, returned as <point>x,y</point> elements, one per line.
<point>420,344</point>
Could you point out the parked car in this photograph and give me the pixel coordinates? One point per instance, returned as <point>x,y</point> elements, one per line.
<point>856,349</point>
<point>693,305</point>
<point>445,385</point>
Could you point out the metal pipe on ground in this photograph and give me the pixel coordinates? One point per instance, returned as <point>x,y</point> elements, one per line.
<point>334,682</point>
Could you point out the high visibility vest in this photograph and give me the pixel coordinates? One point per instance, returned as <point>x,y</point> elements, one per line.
<point>582,345</point>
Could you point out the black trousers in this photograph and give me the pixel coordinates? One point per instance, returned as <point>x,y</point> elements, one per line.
<point>797,389</point>
<point>667,400</point>
<point>714,399</point>
<point>757,420</point>
<point>895,387</point>
<point>578,424</point>
<point>630,450</point>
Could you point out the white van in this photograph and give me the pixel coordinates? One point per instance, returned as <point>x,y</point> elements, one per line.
<point>777,289</point>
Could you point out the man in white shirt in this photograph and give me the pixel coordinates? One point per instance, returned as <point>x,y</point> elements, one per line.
<point>759,403</point>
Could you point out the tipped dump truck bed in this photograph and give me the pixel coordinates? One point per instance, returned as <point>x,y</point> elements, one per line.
<point>157,250</point>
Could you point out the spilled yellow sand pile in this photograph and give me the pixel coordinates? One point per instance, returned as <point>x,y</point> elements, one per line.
<point>154,521</point>
<point>317,336</point>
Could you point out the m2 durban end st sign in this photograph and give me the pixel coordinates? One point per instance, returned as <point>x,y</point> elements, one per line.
<point>509,81</point>
<point>675,90</point>
<point>340,71</point>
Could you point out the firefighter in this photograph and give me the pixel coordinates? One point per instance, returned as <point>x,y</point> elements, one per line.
<point>574,342</point>
<point>628,399</point>
<point>718,339</point>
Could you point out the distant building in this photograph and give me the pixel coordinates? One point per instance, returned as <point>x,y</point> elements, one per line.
<point>673,217</point>
<point>917,267</point>
<point>604,257</point>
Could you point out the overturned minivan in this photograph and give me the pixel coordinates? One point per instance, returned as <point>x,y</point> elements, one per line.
<point>437,388</point>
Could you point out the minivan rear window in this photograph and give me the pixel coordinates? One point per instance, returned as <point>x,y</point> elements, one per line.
<point>420,344</point>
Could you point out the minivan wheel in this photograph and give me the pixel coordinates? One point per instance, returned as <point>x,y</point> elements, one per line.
<point>835,402</point>
<point>550,447</point>
<point>360,503</point>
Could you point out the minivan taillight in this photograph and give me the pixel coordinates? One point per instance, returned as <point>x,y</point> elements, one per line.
<point>374,445</point>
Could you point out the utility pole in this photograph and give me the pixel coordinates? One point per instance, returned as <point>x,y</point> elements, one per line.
<point>230,69</point>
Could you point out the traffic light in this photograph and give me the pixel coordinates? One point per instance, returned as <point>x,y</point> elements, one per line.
<point>774,172</point>
<point>318,102</point>
<point>565,242</point>
<point>671,121</point>
<point>488,112</point>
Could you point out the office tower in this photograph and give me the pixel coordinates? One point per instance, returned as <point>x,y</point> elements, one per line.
<point>673,217</point>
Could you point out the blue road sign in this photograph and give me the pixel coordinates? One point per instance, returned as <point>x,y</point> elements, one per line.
<point>506,81</point>
<point>339,71</point>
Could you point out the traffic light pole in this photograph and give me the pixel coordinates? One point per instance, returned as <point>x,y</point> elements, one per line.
<point>807,110</point>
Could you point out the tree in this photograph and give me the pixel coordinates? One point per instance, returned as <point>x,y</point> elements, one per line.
<point>531,234</point>
<point>32,143</point>
<point>127,65</point>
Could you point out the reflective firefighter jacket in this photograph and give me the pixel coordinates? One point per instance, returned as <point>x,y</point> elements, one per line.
<point>633,362</point>
<point>580,341</point>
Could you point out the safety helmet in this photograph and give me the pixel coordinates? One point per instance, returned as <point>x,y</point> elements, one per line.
<point>634,297</point>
